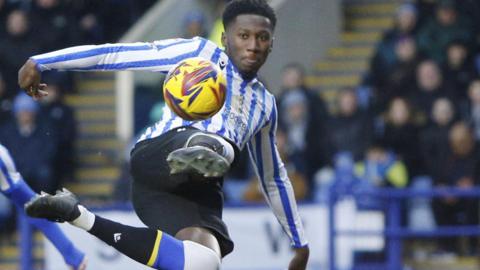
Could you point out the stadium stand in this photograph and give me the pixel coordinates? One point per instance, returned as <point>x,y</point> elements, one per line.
<point>347,66</point>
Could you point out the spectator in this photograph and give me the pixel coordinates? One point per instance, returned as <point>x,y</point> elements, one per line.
<point>5,102</point>
<point>49,16</point>
<point>458,170</point>
<point>64,125</point>
<point>429,87</point>
<point>118,16</point>
<point>351,129</point>
<point>458,71</point>
<point>401,135</point>
<point>194,25</point>
<point>303,115</point>
<point>17,46</point>
<point>471,108</point>
<point>434,138</point>
<point>445,27</point>
<point>5,8</point>
<point>400,79</point>
<point>385,59</point>
<point>87,25</point>
<point>31,144</point>
<point>381,168</point>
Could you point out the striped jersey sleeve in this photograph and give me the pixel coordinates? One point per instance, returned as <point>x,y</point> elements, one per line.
<point>276,185</point>
<point>9,176</point>
<point>159,56</point>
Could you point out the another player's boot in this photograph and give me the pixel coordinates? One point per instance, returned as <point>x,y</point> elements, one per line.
<point>206,154</point>
<point>61,207</point>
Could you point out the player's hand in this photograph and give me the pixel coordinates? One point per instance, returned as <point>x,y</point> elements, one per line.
<point>300,259</point>
<point>29,79</point>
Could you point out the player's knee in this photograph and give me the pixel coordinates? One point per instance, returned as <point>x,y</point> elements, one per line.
<point>198,257</point>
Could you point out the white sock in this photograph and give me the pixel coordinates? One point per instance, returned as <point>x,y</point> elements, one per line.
<point>229,153</point>
<point>85,220</point>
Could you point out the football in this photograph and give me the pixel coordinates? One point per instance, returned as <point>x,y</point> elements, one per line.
<point>195,89</point>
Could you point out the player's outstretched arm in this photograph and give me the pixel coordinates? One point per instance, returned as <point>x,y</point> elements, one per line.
<point>278,190</point>
<point>29,79</point>
<point>158,56</point>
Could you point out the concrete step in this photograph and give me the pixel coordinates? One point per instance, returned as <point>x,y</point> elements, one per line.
<point>91,190</point>
<point>342,65</point>
<point>94,159</point>
<point>90,100</point>
<point>92,86</point>
<point>367,38</point>
<point>373,8</point>
<point>95,114</point>
<point>95,128</point>
<point>357,52</point>
<point>107,143</point>
<point>333,81</point>
<point>369,24</point>
<point>98,173</point>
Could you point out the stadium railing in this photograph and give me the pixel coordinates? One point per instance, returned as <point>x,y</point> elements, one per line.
<point>394,231</point>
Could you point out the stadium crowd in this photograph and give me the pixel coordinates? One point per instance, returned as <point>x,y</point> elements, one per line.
<point>413,121</point>
<point>41,136</point>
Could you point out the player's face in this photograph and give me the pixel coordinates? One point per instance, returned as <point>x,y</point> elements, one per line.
<point>248,41</point>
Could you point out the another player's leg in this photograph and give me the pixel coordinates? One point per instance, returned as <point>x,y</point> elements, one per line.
<point>147,246</point>
<point>204,153</point>
<point>13,186</point>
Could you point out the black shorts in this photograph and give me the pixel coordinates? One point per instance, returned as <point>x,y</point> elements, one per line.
<point>173,202</point>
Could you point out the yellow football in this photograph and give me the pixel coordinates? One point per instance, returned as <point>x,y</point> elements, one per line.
<point>195,89</point>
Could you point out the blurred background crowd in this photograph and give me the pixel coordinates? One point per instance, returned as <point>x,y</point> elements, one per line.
<point>412,121</point>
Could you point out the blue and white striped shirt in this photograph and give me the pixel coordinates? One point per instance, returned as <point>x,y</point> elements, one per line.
<point>248,117</point>
<point>9,176</point>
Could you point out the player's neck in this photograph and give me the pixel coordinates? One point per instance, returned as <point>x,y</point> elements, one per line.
<point>248,76</point>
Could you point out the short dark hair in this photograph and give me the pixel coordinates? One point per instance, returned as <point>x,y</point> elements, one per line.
<point>240,7</point>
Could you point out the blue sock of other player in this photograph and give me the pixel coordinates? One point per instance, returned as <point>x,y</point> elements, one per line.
<point>21,193</point>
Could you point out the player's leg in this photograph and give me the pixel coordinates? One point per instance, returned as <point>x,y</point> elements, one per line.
<point>147,246</point>
<point>15,188</point>
<point>176,203</point>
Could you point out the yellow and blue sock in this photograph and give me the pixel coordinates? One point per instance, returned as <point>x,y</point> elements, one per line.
<point>152,247</point>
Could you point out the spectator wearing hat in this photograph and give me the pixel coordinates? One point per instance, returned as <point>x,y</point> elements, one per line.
<point>194,25</point>
<point>384,58</point>
<point>31,143</point>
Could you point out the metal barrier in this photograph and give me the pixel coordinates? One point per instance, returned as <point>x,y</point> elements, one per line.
<point>26,242</point>
<point>394,232</point>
